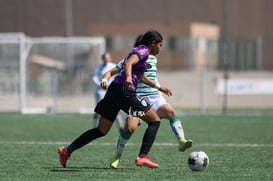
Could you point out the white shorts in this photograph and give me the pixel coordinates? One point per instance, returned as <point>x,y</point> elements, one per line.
<point>156,101</point>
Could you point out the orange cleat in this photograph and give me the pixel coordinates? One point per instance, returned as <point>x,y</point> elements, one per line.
<point>63,156</point>
<point>145,161</point>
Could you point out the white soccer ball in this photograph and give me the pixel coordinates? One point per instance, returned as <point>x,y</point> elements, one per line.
<point>198,161</point>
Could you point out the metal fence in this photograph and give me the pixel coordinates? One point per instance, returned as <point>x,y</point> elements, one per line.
<point>47,74</point>
<point>52,74</point>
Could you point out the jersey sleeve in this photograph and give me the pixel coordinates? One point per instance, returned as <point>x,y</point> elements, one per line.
<point>142,53</point>
<point>120,64</point>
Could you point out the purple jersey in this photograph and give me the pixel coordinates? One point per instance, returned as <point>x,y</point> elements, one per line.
<point>137,69</point>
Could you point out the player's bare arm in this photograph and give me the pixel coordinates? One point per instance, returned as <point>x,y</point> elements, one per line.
<point>149,82</point>
<point>132,60</point>
<point>104,82</point>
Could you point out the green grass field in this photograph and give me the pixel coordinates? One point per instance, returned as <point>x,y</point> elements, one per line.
<point>239,146</point>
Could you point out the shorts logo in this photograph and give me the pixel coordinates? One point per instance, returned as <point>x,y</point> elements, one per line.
<point>144,103</point>
<point>138,98</point>
<point>135,113</point>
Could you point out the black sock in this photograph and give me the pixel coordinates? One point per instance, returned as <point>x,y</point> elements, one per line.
<point>84,139</point>
<point>148,138</point>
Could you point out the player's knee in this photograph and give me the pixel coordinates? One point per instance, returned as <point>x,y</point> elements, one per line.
<point>171,113</point>
<point>103,130</point>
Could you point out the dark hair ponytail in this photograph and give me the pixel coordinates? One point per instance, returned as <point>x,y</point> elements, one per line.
<point>138,40</point>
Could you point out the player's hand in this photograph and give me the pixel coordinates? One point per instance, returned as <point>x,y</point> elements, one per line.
<point>166,91</point>
<point>104,84</point>
<point>129,83</point>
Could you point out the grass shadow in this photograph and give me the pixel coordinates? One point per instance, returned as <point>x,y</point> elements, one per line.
<point>85,169</point>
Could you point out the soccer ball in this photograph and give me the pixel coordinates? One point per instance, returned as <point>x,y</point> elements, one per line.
<point>198,161</point>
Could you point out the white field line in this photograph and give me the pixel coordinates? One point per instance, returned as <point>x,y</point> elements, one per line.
<point>136,144</point>
<point>219,113</point>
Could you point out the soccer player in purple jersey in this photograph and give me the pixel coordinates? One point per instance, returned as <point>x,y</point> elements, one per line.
<point>121,95</point>
<point>152,95</point>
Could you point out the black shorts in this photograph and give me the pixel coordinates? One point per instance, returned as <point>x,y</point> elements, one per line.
<point>119,97</point>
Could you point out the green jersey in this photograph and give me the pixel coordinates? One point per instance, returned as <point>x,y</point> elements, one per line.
<point>144,89</point>
<point>151,73</point>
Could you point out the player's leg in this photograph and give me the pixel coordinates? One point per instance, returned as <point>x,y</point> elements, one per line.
<point>138,107</point>
<point>120,123</point>
<point>102,129</point>
<point>130,126</point>
<point>153,122</point>
<point>85,138</point>
<point>166,111</point>
<point>107,116</point>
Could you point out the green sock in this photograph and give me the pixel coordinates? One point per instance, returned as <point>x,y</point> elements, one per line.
<point>177,128</point>
<point>122,141</point>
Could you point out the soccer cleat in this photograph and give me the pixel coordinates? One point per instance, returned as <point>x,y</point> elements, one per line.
<point>145,161</point>
<point>184,144</point>
<point>63,156</point>
<point>115,161</point>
